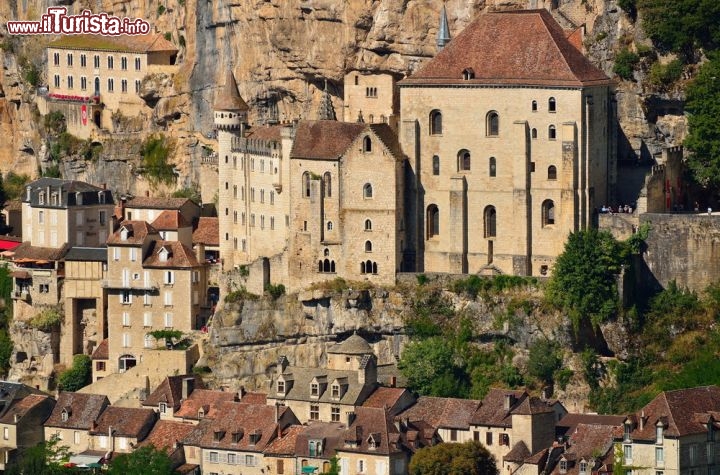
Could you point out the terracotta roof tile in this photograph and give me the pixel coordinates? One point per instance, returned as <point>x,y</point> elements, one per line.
<point>101,352</point>
<point>21,407</point>
<point>151,202</point>
<point>13,205</point>
<point>170,220</point>
<point>532,405</point>
<point>27,251</point>
<point>171,389</point>
<point>266,132</point>
<point>82,410</point>
<point>525,47</point>
<point>207,400</point>
<point>324,139</point>
<point>285,444</point>
<point>332,433</point>
<point>207,232</point>
<point>588,441</point>
<point>518,453</point>
<point>229,98</point>
<point>180,256</point>
<point>165,434</point>
<point>492,411</point>
<point>442,412</point>
<point>387,397</point>
<point>372,425</point>
<point>137,232</point>
<point>353,345</point>
<point>567,424</point>
<point>125,422</point>
<point>123,43</point>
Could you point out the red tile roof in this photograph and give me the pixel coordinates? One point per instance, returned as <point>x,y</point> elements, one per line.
<point>568,423</point>
<point>170,220</point>
<point>180,256</point>
<point>82,410</point>
<point>387,397</point>
<point>442,412</point>
<point>524,47</point>
<point>588,441</point>
<point>101,352</point>
<point>372,425</point>
<point>137,232</point>
<point>266,132</point>
<point>324,139</point>
<point>21,407</point>
<point>28,251</point>
<point>171,389</point>
<point>122,43</point>
<point>285,444</point>
<point>165,434</point>
<point>492,411</point>
<point>207,232</point>
<point>207,400</point>
<point>125,422</point>
<point>151,202</point>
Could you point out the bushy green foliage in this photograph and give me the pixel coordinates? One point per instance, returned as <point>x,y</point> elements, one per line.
<point>65,145</point>
<point>703,139</point>
<point>190,192</point>
<point>334,468</point>
<point>625,63</point>
<point>475,285</point>
<point>90,150</point>
<point>46,319</point>
<point>52,171</point>
<point>160,9</point>
<point>170,336</point>
<point>31,73</point>
<point>54,123</point>
<point>681,25</point>
<point>240,295</point>
<point>78,376</point>
<point>46,458</point>
<point>469,458</point>
<point>155,152</point>
<point>275,290</point>
<point>431,368</point>
<point>544,360</point>
<point>147,460</point>
<point>665,75</point>
<point>593,368</point>
<point>14,185</point>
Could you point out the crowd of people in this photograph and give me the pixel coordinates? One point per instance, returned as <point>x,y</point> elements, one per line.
<point>616,209</point>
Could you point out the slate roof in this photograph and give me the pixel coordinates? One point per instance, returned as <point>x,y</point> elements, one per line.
<point>28,251</point>
<point>83,410</point>
<point>524,47</point>
<point>351,391</point>
<point>353,345</point>
<point>125,422</point>
<point>387,397</point>
<point>170,391</point>
<point>442,412</point>
<point>332,433</point>
<point>585,443</point>
<point>492,411</point>
<point>241,419</point>
<point>170,220</point>
<point>165,434</point>
<point>372,424</point>
<point>123,43</point>
<point>138,231</point>
<point>151,202</point>
<point>102,351</point>
<point>181,256</point>
<point>206,399</point>
<point>68,189</point>
<point>229,98</point>
<point>93,254</point>
<point>23,406</point>
<point>684,412</point>
<point>207,231</point>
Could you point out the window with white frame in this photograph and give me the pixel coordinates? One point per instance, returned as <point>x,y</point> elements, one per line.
<point>169,277</point>
<point>168,298</point>
<point>214,457</point>
<point>116,253</point>
<point>149,341</point>
<point>126,319</point>
<point>126,297</point>
<point>627,453</point>
<point>250,460</point>
<point>126,340</point>
<point>232,459</point>
<point>147,319</point>
<point>133,254</point>
<point>146,298</point>
<point>168,319</point>
<point>659,456</point>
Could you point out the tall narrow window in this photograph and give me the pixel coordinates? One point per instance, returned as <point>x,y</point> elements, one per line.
<point>327,183</point>
<point>368,225</point>
<point>367,144</point>
<point>551,104</point>
<point>490,221</point>
<point>534,106</point>
<point>548,213</point>
<point>493,167</point>
<point>552,172</point>
<point>368,246</point>
<point>463,161</point>
<point>433,221</point>
<point>306,184</point>
<point>435,122</point>
<point>533,133</point>
<point>493,123</point>
<point>436,165</point>
<point>367,190</point>
<point>552,132</point>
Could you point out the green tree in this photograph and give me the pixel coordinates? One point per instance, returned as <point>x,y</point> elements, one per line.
<point>625,63</point>
<point>544,360</point>
<point>681,25</point>
<point>14,184</point>
<point>146,460</point>
<point>78,376</point>
<point>46,458</point>
<point>703,108</point>
<point>469,458</point>
<point>583,281</point>
<point>334,466</point>
<point>430,368</point>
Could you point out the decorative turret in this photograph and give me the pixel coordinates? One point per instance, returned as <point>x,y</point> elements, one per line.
<point>230,109</point>
<point>326,111</point>
<point>443,36</point>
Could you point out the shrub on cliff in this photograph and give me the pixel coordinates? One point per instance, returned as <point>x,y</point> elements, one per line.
<point>155,152</point>
<point>78,376</point>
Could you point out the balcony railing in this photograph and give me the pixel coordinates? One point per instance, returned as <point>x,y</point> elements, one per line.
<point>21,295</point>
<point>129,285</point>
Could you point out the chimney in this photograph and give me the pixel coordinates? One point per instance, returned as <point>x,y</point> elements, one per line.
<point>277,413</point>
<point>241,393</point>
<point>16,418</point>
<point>350,418</point>
<point>393,381</point>
<point>642,419</point>
<point>509,401</point>
<point>188,384</point>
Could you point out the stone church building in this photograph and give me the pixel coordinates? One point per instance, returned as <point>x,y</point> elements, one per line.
<point>481,161</point>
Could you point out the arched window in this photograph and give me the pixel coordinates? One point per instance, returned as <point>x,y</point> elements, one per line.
<point>493,167</point>
<point>374,267</point>
<point>552,172</point>
<point>551,132</point>
<point>367,144</point>
<point>368,246</point>
<point>436,165</point>
<point>368,225</point>
<point>306,184</point>
<point>433,221</point>
<point>320,266</point>
<point>332,266</point>
<point>367,191</point>
<point>551,104</point>
<point>327,182</point>
<point>463,161</point>
<point>533,133</point>
<point>534,106</point>
<point>326,252</point>
<point>329,225</point>
<point>493,123</point>
<point>435,122</point>
<point>362,267</point>
<point>548,213</point>
<point>326,265</point>
<point>368,267</point>
<point>490,221</point>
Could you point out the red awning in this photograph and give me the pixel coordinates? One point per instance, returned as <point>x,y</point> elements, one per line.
<point>7,245</point>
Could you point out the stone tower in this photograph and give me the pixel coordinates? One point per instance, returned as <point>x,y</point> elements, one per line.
<point>230,121</point>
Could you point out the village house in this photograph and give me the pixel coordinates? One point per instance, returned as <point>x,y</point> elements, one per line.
<point>304,449</point>
<point>166,435</point>
<point>169,395</point>
<point>449,416</point>
<point>201,404</point>
<point>149,208</point>
<point>119,429</point>
<point>92,77</point>
<point>72,419</point>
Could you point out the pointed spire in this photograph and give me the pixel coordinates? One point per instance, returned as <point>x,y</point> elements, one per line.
<point>229,98</point>
<point>443,36</point>
<point>326,111</point>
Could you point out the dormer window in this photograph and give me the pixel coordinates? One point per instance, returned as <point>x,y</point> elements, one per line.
<point>335,390</point>
<point>281,387</point>
<point>201,413</point>
<point>78,198</point>
<point>41,198</point>
<point>64,415</point>
<point>563,466</point>
<point>164,254</point>
<point>162,408</point>
<point>101,197</point>
<point>468,74</point>
<point>236,437</point>
<point>255,437</point>
<point>373,442</point>
<point>627,432</point>
<point>54,199</point>
<point>124,233</point>
<point>218,435</point>
<point>583,467</point>
<point>314,389</point>
<point>659,433</point>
